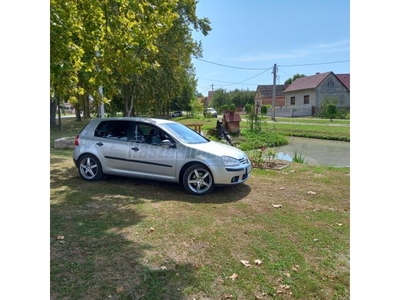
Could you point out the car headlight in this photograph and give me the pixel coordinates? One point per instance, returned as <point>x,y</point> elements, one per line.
<point>230,161</point>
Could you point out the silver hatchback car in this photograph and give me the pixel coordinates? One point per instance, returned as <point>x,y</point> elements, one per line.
<point>157,149</point>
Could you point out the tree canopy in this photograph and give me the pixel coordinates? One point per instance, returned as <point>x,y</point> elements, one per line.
<point>138,51</point>
<point>292,79</point>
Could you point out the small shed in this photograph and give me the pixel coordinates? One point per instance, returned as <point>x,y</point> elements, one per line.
<point>231,121</point>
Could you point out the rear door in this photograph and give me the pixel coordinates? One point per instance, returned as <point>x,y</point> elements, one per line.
<point>112,143</point>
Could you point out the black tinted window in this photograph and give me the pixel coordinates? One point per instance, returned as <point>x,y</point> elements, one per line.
<point>117,130</point>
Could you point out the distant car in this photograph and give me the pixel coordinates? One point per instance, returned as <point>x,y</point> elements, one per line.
<point>210,111</point>
<point>176,114</point>
<point>157,149</point>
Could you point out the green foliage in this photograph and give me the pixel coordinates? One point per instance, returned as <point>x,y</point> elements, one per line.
<point>264,109</point>
<point>195,109</point>
<point>232,107</point>
<point>247,108</point>
<point>298,158</point>
<point>139,51</point>
<point>328,108</point>
<point>318,130</point>
<point>224,107</point>
<point>241,97</point>
<point>249,140</point>
<point>220,98</point>
<point>292,79</point>
<point>331,110</point>
<point>254,121</point>
<point>343,113</point>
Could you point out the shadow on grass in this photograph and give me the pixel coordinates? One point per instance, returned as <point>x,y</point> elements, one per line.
<point>148,189</point>
<point>94,254</point>
<point>164,191</point>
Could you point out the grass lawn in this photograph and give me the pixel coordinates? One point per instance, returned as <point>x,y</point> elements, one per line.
<point>124,238</point>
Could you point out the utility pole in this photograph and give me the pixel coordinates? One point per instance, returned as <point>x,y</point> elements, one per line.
<point>273,95</point>
<point>212,94</point>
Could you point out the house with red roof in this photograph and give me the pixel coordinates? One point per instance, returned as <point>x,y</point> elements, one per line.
<point>263,96</point>
<point>307,94</point>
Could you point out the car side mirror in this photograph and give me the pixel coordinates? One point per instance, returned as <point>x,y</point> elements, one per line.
<point>167,144</point>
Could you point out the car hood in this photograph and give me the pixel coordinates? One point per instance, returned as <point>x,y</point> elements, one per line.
<point>219,149</point>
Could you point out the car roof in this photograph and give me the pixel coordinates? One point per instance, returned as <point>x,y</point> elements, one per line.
<point>135,119</point>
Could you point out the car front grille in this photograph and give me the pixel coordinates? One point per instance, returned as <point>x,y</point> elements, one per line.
<point>243,161</point>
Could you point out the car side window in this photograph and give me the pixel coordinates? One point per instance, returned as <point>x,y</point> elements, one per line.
<point>149,134</point>
<point>138,134</point>
<point>115,130</point>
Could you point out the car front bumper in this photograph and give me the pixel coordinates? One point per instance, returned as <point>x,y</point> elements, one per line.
<point>230,175</point>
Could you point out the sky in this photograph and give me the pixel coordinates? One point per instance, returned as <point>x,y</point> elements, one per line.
<point>249,37</point>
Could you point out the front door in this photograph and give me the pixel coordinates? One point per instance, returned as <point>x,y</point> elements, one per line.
<point>147,157</point>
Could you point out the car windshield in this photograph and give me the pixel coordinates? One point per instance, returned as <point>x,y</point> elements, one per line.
<point>185,134</point>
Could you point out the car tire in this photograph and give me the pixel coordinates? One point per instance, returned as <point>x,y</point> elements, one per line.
<point>90,168</point>
<point>198,180</point>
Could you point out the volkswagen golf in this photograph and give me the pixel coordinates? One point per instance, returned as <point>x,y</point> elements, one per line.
<point>157,149</point>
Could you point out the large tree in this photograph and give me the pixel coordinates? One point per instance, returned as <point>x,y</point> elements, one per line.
<point>100,43</point>
<point>120,45</point>
<point>170,78</point>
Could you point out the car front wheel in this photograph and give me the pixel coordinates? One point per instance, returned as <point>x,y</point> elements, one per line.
<point>90,168</point>
<point>198,180</point>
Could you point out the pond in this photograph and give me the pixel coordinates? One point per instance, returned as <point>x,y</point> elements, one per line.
<point>283,156</point>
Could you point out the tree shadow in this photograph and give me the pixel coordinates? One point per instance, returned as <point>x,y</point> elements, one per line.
<point>93,254</point>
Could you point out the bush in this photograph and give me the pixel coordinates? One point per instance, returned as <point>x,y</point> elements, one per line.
<point>264,109</point>
<point>248,108</point>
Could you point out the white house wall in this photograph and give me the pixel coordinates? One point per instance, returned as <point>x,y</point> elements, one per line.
<point>331,87</point>
<point>299,98</point>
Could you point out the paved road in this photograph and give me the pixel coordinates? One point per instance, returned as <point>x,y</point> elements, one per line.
<point>317,151</point>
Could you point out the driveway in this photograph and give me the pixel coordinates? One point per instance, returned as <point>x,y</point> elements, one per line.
<point>317,151</point>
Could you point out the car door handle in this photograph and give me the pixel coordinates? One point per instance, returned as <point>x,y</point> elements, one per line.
<point>99,144</point>
<point>135,149</point>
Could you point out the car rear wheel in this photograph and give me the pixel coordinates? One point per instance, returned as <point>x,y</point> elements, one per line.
<point>90,168</point>
<point>198,180</point>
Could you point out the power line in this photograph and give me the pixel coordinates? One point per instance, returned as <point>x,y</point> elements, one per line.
<point>224,81</point>
<point>263,69</point>
<point>233,67</point>
<point>248,78</point>
<point>298,65</point>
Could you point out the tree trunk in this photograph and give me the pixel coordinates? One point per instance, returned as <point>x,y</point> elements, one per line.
<point>59,113</point>
<point>53,109</point>
<point>86,109</point>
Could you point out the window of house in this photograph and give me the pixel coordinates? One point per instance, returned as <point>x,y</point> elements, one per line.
<point>306,99</point>
<point>292,100</point>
